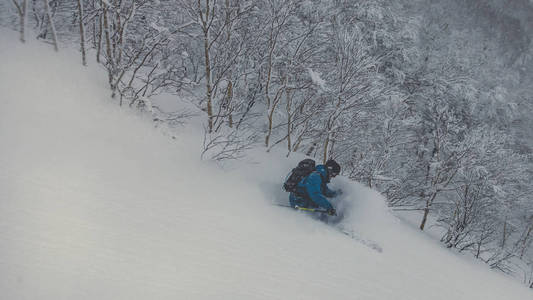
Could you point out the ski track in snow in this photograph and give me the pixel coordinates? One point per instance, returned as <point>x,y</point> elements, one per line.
<point>97,204</point>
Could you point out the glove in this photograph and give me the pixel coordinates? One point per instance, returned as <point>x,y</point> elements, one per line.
<point>332,212</point>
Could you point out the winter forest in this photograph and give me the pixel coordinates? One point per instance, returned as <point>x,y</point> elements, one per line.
<point>428,102</point>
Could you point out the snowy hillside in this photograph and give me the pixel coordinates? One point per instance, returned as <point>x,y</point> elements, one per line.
<point>97,204</point>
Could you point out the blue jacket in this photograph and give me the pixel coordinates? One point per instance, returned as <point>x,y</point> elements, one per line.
<point>315,188</point>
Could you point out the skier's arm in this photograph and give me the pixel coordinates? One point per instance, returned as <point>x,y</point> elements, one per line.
<point>329,193</point>
<point>314,191</point>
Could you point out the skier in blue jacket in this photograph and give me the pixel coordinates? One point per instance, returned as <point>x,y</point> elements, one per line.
<point>311,191</point>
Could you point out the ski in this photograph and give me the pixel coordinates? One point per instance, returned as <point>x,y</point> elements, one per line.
<point>312,209</point>
<point>348,232</point>
<point>366,242</point>
<point>316,210</point>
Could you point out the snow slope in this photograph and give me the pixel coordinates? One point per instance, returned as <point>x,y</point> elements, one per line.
<point>97,204</point>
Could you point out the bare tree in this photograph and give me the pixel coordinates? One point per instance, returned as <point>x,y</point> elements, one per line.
<point>206,15</point>
<point>526,239</point>
<point>51,22</point>
<point>223,42</point>
<point>356,85</point>
<point>280,13</point>
<point>110,64</point>
<point>221,146</point>
<point>22,11</point>
<point>82,32</point>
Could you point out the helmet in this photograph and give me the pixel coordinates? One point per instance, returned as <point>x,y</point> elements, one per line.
<point>333,168</point>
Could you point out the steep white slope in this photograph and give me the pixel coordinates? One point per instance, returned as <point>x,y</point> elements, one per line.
<point>96,204</point>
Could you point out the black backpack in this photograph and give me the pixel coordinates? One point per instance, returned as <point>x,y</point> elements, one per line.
<point>304,168</point>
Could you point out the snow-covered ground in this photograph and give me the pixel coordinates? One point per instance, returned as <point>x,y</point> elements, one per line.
<point>95,203</point>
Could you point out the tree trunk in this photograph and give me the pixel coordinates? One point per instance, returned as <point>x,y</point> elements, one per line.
<point>82,33</point>
<point>504,237</point>
<point>51,22</point>
<point>269,129</point>
<point>326,145</point>
<point>109,63</point>
<point>289,123</point>
<point>209,91</point>
<point>429,202</point>
<point>22,14</point>
<point>424,218</point>
<point>94,29</point>
<point>478,250</point>
<point>524,243</point>
<point>208,84</point>
<point>23,20</point>
<point>229,98</point>
<point>229,95</point>
<point>272,45</point>
<point>99,44</point>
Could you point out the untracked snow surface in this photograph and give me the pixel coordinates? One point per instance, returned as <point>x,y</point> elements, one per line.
<point>95,203</point>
